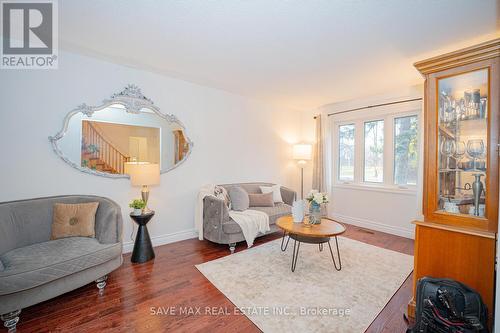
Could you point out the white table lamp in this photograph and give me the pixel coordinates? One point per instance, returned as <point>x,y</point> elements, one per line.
<point>143,174</point>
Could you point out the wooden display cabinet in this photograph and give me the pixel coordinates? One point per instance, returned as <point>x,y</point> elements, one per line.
<point>457,237</point>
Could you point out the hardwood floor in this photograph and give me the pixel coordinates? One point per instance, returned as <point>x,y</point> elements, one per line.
<point>171,280</point>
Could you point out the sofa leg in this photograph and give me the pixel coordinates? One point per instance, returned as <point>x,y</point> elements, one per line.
<point>232,247</point>
<point>101,283</point>
<point>10,320</point>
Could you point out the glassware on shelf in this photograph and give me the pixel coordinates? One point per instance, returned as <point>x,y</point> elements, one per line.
<point>481,162</point>
<point>448,148</point>
<point>483,112</point>
<point>448,107</point>
<point>466,102</point>
<point>470,106</point>
<point>462,134</point>
<point>460,150</point>
<point>461,110</point>
<point>475,149</point>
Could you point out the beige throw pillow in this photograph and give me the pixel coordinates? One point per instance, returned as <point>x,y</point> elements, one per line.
<point>74,220</point>
<point>261,200</point>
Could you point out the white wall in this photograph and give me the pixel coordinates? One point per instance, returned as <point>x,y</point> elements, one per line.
<point>387,210</point>
<point>235,139</point>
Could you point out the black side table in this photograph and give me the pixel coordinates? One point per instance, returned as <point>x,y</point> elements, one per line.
<point>143,249</point>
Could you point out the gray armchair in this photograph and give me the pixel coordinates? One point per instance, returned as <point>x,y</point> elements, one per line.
<point>219,228</point>
<point>34,268</point>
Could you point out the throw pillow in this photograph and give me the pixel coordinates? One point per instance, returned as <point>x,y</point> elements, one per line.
<point>239,198</point>
<point>261,200</point>
<point>275,189</point>
<point>74,220</point>
<point>221,193</point>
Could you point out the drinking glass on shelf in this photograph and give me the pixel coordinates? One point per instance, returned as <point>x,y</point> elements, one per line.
<point>481,162</point>
<point>448,107</point>
<point>448,148</point>
<point>475,148</point>
<point>459,152</point>
<point>476,102</point>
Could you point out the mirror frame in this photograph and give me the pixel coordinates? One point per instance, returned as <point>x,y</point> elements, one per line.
<point>132,99</point>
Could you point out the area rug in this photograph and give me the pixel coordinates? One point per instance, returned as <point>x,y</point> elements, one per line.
<point>316,297</point>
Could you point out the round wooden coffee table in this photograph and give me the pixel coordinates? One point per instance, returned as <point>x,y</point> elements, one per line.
<point>311,234</point>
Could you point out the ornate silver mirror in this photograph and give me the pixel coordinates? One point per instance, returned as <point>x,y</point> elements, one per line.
<point>127,127</point>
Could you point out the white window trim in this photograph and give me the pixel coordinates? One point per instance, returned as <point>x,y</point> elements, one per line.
<point>388,115</point>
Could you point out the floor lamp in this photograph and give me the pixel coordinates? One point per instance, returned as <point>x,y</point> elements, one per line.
<point>302,153</point>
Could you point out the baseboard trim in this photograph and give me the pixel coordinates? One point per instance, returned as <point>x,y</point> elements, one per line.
<point>164,239</point>
<point>390,229</point>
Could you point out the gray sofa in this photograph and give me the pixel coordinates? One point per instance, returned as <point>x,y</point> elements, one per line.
<point>34,268</point>
<point>219,228</point>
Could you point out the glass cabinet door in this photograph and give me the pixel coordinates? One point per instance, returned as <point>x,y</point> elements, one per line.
<point>462,143</point>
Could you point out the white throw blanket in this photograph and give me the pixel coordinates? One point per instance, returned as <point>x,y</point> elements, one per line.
<point>251,222</point>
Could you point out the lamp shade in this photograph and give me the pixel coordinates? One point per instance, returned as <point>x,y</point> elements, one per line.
<point>129,165</point>
<point>302,152</point>
<point>144,173</point>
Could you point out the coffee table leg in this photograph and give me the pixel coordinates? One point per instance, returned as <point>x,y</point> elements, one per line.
<point>338,254</point>
<point>283,240</point>
<point>320,247</point>
<point>295,254</point>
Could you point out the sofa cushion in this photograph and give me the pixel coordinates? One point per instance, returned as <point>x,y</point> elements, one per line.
<point>275,190</point>
<point>279,210</point>
<point>74,220</point>
<point>239,198</point>
<point>274,213</point>
<point>261,200</point>
<point>40,263</point>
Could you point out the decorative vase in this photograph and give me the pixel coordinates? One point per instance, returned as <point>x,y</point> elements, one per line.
<point>298,211</point>
<point>137,212</point>
<point>477,190</point>
<point>314,213</point>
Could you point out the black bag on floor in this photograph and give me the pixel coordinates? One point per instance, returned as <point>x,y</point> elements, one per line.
<point>448,306</point>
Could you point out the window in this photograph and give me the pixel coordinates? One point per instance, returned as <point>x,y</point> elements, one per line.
<point>405,150</point>
<point>346,152</point>
<point>374,152</point>
<point>377,149</point>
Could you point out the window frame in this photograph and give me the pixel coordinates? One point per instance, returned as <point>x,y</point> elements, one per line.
<point>388,115</point>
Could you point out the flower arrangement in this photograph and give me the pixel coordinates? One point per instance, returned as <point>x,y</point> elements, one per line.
<point>317,198</point>
<point>137,204</point>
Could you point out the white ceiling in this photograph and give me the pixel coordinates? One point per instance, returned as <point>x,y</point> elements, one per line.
<point>296,53</point>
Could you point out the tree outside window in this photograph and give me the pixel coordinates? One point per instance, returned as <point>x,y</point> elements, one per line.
<point>346,152</point>
<point>405,150</point>
<point>374,151</point>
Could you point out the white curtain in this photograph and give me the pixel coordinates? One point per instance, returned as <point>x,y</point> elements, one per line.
<point>319,181</point>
